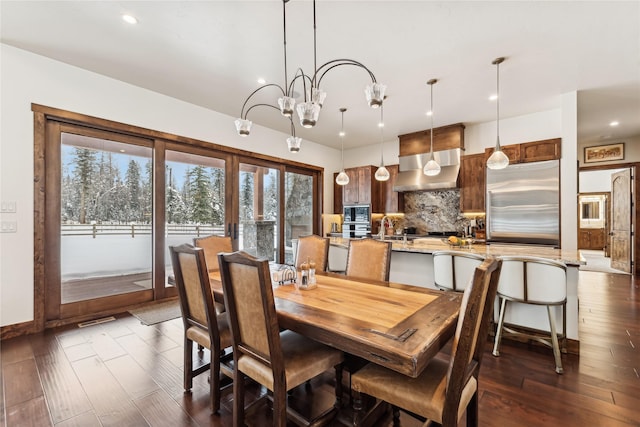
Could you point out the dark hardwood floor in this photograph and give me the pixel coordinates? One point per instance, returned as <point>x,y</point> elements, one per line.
<point>126,374</point>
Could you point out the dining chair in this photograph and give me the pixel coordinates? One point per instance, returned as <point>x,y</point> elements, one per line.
<point>448,385</point>
<point>201,323</point>
<point>369,259</point>
<point>315,248</point>
<point>279,360</point>
<point>212,246</point>
<point>538,281</point>
<point>453,270</point>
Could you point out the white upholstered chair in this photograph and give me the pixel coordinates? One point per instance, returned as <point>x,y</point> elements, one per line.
<point>530,280</point>
<point>453,270</point>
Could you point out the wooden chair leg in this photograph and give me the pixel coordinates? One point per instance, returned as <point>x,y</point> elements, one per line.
<point>279,407</point>
<point>214,382</point>
<point>338,403</point>
<point>188,364</point>
<point>472,411</point>
<point>238,398</point>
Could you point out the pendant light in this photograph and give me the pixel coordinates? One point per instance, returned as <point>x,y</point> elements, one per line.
<point>382,174</point>
<point>342,178</point>
<point>498,160</point>
<point>432,168</point>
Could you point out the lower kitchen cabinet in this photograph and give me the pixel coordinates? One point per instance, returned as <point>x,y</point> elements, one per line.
<point>591,238</point>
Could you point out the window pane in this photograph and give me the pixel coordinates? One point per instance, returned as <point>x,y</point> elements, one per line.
<point>259,197</point>
<point>195,202</point>
<point>105,217</point>
<point>298,209</point>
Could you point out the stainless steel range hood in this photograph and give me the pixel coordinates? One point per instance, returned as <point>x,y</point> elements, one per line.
<point>411,178</point>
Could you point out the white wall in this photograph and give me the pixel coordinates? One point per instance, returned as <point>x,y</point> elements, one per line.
<point>27,78</point>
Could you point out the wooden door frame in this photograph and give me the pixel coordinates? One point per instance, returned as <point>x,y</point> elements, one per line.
<point>43,115</point>
<point>635,212</point>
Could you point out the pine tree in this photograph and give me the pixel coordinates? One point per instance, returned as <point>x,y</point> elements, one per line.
<point>217,196</point>
<point>84,173</point>
<point>200,196</point>
<point>134,192</point>
<point>246,196</point>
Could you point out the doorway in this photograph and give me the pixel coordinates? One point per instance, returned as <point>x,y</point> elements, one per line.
<point>606,218</point>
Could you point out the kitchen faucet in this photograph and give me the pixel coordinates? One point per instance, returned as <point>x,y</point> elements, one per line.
<point>382,228</point>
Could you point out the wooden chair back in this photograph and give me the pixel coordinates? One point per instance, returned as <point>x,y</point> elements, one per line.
<point>194,289</point>
<point>314,248</point>
<point>369,259</point>
<point>251,308</point>
<point>212,246</point>
<point>471,335</point>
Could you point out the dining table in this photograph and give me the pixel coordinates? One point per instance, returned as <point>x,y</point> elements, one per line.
<point>397,326</point>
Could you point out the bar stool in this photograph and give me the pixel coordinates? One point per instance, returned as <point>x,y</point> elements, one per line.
<point>452,270</point>
<point>531,280</point>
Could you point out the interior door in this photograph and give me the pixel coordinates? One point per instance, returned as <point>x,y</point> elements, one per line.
<point>620,233</point>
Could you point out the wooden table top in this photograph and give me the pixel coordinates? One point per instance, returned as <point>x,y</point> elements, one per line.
<point>397,326</point>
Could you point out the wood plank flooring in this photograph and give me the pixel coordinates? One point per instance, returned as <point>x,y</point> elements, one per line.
<point>126,374</point>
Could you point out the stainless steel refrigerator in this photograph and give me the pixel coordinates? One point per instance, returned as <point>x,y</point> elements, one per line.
<point>523,203</point>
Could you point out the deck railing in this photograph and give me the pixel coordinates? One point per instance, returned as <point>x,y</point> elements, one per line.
<point>132,230</point>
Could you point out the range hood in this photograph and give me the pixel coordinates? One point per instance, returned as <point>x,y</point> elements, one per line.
<point>411,177</point>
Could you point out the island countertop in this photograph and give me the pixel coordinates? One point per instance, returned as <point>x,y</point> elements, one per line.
<point>431,245</point>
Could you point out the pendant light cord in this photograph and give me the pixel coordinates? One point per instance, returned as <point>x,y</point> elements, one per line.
<point>381,125</point>
<point>284,26</point>
<point>431,119</point>
<point>342,110</point>
<point>498,104</point>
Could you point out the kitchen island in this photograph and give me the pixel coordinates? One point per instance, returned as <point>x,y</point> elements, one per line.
<point>412,264</point>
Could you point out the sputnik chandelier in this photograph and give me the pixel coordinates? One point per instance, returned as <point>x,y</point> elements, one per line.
<point>313,97</point>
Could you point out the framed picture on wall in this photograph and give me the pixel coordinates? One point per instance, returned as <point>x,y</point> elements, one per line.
<point>604,153</point>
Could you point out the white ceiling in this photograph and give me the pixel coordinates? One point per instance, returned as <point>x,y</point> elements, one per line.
<point>210,53</point>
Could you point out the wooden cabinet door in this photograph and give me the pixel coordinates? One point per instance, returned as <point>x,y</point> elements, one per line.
<point>472,183</point>
<point>584,240</point>
<point>597,239</point>
<point>337,196</point>
<point>364,186</point>
<point>350,191</point>
<point>512,152</point>
<point>393,201</point>
<point>538,151</point>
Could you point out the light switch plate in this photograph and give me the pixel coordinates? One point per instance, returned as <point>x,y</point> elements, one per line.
<point>8,207</point>
<point>9,227</point>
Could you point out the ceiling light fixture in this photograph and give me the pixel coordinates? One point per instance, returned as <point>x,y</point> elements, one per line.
<point>342,178</point>
<point>432,168</point>
<point>309,109</point>
<point>614,123</point>
<point>129,19</point>
<point>498,160</point>
<point>382,174</point>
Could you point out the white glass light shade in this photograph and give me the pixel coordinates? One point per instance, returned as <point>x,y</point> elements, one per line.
<point>342,178</point>
<point>318,96</point>
<point>308,113</point>
<point>286,104</point>
<point>375,94</point>
<point>243,127</point>
<point>498,160</point>
<point>293,142</point>
<point>432,168</point>
<point>382,174</point>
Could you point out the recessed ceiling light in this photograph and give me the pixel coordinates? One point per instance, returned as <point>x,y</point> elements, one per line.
<point>614,123</point>
<point>493,97</point>
<point>261,81</point>
<point>122,151</point>
<point>130,19</point>
<point>429,113</point>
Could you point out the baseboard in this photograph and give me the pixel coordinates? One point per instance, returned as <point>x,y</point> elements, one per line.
<point>17,329</point>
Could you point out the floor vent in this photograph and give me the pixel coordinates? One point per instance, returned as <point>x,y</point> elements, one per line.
<point>96,321</point>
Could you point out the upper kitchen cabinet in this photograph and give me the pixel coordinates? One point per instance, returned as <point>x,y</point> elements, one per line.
<point>538,151</point>
<point>393,200</point>
<point>444,138</point>
<point>534,151</point>
<point>471,180</point>
<point>362,189</point>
